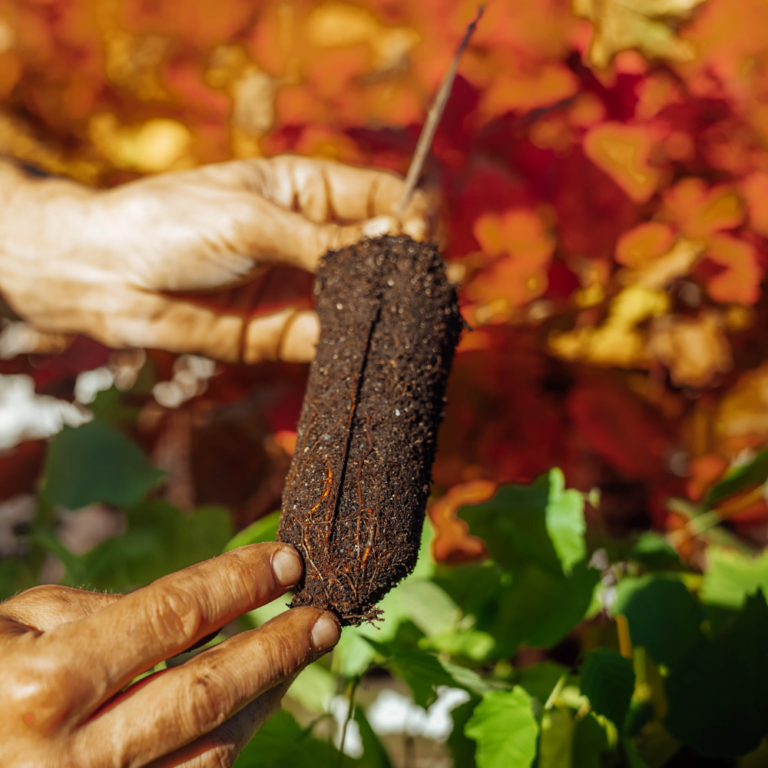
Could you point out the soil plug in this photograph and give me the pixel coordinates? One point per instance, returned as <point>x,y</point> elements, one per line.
<point>357,488</point>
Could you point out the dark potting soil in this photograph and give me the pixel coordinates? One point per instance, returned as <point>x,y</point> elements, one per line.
<point>357,488</point>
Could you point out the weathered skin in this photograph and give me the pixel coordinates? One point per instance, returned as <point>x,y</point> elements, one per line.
<point>79,260</point>
<point>64,653</point>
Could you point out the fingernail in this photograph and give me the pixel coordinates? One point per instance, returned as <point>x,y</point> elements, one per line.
<point>287,567</point>
<point>381,225</point>
<point>416,229</point>
<point>325,633</point>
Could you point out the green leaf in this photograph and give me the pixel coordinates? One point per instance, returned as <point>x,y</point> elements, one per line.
<point>264,529</point>
<point>540,609</point>
<point>108,406</point>
<point>314,688</point>
<point>94,462</point>
<point>353,654</point>
<point>505,730</point>
<point>556,746</point>
<point>281,743</point>
<point>374,753</point>
<point>462,747</point>
<point>16,575</point>
<point>540,679</point>
<point>590,742</point>
<point>159,539</point>
<point>653,551</point>
<point>633,759</point>
<point>608,681</point>
<point>539,523</point>
<point>732,576</point>
<point>421,671</point>
<point>753,473</point>
<point>717,698</point>
<point>428,606</point>
<point>662,615</point>
<point>655,745</point>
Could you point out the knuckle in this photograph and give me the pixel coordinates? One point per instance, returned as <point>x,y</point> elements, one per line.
<point>209,703</point>
<point>222,755</point>
<point>44,688</point>
<point>173,615</point>
<point>283,655</point>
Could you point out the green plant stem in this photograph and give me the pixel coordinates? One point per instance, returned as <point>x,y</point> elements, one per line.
<point>352,691</point>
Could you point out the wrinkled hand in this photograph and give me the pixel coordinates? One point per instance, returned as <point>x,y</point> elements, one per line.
<point>77,260</point>
<point>65,653</point>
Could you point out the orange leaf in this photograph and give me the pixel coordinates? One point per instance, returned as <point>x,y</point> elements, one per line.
<point>10,72</point>
<point>699,211</point>
<point>523,91</point>
<point>740,282</point>
<point>704,471</point>
<point>644,243</point>
<point>622,152</point>
<point>526,249</point>
<point>755,190</point>
<point>453,542</point>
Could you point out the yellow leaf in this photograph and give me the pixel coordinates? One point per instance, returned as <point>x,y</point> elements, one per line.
<point>618,341</point>
<point>694,350</point>
<point>647,26</point>
<point>333,24</point>
<point>622,152</point>
<point>157,145</point>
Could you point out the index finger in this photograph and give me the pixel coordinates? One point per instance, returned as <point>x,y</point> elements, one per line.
<point>324,190</point>
<point>165,618</point>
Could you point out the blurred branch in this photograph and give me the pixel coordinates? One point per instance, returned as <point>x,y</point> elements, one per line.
<point>433,117</point>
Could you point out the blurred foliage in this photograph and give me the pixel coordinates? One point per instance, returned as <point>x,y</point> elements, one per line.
<point>601,175</point>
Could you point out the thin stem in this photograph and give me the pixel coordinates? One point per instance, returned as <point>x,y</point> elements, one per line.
<point>433,118</point>
<point>559,685</point>
<point>352,691</point>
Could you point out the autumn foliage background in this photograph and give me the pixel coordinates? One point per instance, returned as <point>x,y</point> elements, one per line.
<point>601,182</point>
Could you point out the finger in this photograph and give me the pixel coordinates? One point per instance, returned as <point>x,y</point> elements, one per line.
<point>222,745</point>
<point>165,618</point>
<point>50,605</point>
<point>21,338</point>
<point>324,190</point>
<point>197,697</point>
<point>289,335</point>
<point>153,321</point>
<point>289,238</point>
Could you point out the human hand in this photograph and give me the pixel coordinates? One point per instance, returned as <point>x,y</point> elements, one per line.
<point>65,653</point>
<point>77,260</point>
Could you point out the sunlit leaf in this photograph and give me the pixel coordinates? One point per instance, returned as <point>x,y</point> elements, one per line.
<point>754,472</point>
<point>556,744</point>
<point>732,576</point>
<point>264,529</point>
<point>505,730</point>
<point>623,152</point>
<point>541,523</point>
<point>640,24</point>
